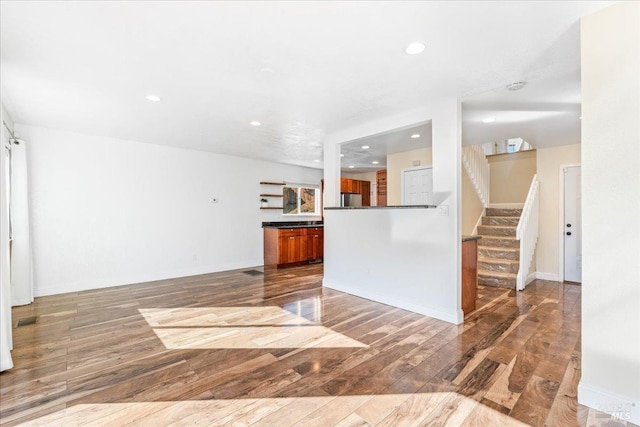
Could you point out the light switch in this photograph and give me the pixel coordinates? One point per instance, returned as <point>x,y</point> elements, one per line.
<point>443,210</point>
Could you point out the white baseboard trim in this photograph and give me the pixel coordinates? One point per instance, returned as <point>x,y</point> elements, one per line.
<point>506,205</point>
<point>547,276</point>
<point>619,407</point>
<point>448,316</point>
<point>109,282</point>
<point>18,301</point>
<point>531,277</point>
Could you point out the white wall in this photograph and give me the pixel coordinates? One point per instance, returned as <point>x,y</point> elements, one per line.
<point>511,176</point>
<point>548,250</point>
<point>109,212</point>
<point>611,210</point>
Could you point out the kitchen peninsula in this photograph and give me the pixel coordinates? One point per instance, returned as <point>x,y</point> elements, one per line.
<point>397,255</point>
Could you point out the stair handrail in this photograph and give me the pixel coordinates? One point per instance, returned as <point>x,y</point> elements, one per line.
<point>477,167</point>
<point>527,232</point>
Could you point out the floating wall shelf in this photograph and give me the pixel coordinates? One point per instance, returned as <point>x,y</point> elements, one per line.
<point>272,195</point>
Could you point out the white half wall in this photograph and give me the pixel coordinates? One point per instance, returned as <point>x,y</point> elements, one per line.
<point>109,212</point>
<point>393,256</point>
<point>431,272</point>
<point>610,379</point>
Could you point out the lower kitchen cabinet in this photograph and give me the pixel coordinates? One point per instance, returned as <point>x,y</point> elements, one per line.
<point>315,243</point>
<point>284,246</point>
<point>469,274</point>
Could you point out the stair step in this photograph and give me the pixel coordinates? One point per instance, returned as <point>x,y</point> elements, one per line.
<point>497,279</point>
<point>504,212</point>
<point>499,265</point>
<point>501,220</point>
<point>496,230</point>
<point>499,252</point>
<point>499,242</point>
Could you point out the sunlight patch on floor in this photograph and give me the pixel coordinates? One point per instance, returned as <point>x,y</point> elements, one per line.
<point>240,328</point>
<point>254,337</point>
<point>220,316</point>
<point>447,408</point>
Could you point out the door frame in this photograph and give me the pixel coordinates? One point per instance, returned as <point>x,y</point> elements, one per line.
<point>402,171</point>
<point>561,217</point>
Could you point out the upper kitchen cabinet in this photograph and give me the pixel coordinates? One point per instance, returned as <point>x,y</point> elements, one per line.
<point>348,185</point>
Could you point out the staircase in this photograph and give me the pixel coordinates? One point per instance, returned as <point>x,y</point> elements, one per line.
<point>476,164</point>
<point>498,250</point>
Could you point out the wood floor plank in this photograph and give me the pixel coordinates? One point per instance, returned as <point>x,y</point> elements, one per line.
<point>96,357</point>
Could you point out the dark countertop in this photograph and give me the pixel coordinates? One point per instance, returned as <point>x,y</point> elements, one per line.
<point>293,224</point>
<point>383,207</point>
<point>466,238</point>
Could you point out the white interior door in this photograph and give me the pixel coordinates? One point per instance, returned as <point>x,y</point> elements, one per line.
<point>417,186</point>
<point>572,224</point>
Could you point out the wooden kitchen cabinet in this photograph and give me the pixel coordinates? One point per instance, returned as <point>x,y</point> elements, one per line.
<point>365,190</point>
<point>348,185</point>
<point>315,243</point>
<point>355,186</point>
<point>469,275</point>
<point>284,246</point>
<point>381,177</point>
<point>292,245</point>
<point>344,184</point>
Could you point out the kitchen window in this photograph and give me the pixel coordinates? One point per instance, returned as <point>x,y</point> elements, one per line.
<point>301,200</point>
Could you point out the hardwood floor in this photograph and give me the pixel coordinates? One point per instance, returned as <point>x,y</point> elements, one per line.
<point>278,350</point>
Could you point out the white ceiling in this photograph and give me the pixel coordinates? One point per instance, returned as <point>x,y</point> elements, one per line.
<point>87,66</point>
<point>395,141</point>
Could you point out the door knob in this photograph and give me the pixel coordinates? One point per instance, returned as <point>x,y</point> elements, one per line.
<point>569,225</point>
<point>568,233</point>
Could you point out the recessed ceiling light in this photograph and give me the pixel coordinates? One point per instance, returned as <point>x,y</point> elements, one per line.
<point>489,120</point>
<point>414,48</point>
<point>267,70</point>
<point>341,155</point>
<point>375,162</point>
<point>365,147</point>
<point>351,166</point>
<point>516,85</point>
<point>152,98</point>
<point>255,123</point>
<point>317,161</point>
<point>415,135</point>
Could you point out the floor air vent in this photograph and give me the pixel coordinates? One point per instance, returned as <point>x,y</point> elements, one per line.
<point>26,321</point>
<point>253,272</point>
